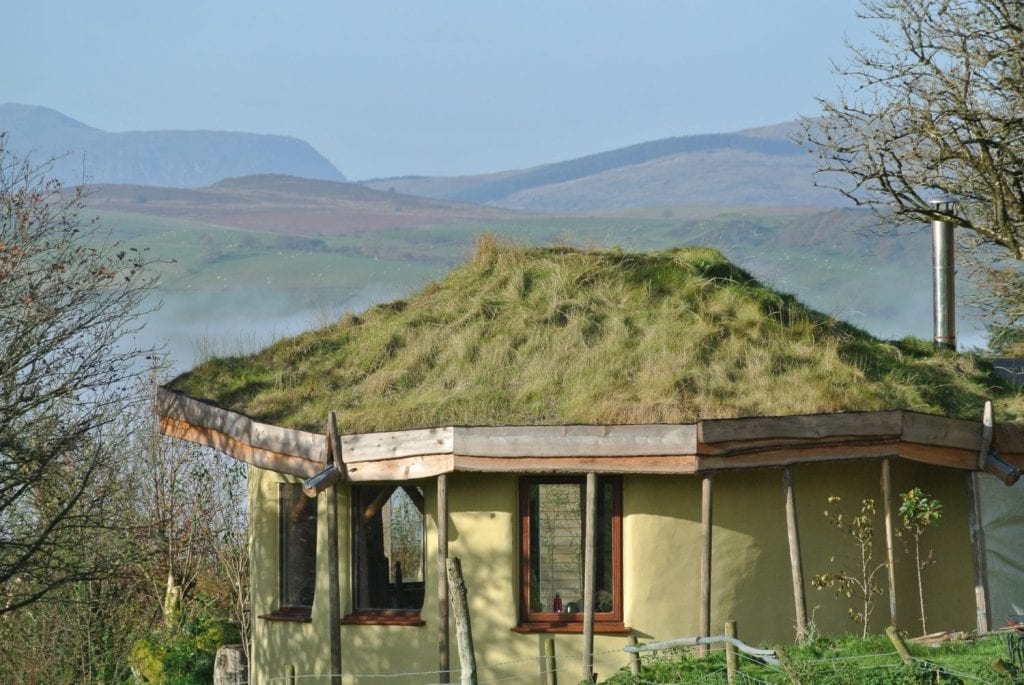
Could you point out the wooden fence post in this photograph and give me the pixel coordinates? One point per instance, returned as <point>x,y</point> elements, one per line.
<point>550,662</point>
<point>634,657</point>
<point>463,628</point>
<point>731,661</point>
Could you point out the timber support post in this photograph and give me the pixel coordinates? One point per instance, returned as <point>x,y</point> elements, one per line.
<point>463,627</point>
<point>890,556</point>
<point>443,631</point>
<point>732,662</point>
<point>334,588</point>
<point>705,561</point>
<point>588,578</point>
<point>795,563</point>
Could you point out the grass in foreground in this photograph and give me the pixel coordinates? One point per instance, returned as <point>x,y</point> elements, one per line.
<point>834,661</point>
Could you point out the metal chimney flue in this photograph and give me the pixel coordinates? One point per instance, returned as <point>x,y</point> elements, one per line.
<point>944,288</point>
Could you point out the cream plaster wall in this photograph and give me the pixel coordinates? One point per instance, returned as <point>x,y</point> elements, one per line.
<point>751,580</point>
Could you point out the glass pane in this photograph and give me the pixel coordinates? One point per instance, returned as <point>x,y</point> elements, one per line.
<point>298,546</point>
<point>556,547</point>
<point>388,548</point>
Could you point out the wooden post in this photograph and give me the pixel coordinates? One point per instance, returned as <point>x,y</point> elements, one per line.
<point>550,662</point>
<point>588,578</point>
<point>731,661</point>
<point>977,531</point>
<point>899,645</point>
<point>795,564</point>
<point>333,585</point>
<point>634,657</point>
<point>443,635</point>
<point>705,562</point>
<point>890,556</point>
<point>463,628</point>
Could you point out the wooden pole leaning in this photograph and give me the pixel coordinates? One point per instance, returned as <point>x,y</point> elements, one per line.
<point>463,626</point>
<point>705,561</point>
<point>890,556</point>
<point>334,588</point>
<point>795,564</point>
<point>443,631</point>
<point>588,577</point>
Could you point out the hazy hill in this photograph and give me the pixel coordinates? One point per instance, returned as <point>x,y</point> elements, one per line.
<point>184,159</point>
<point>286,204</point>
<point>753,167</point>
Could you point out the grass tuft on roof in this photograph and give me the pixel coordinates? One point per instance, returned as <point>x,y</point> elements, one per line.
<point>560,336</point>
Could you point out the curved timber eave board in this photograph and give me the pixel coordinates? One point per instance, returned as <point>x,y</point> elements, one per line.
<point>710,445</point>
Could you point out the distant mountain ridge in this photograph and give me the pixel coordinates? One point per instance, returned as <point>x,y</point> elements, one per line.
<point>179,159</point>
<point>760,166</point>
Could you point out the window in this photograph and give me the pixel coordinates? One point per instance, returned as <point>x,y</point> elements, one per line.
<point>552,521</point>
<point>297,519</point>
<point>387,554</point>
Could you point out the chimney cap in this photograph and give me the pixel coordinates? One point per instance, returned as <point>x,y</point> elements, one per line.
<point>940,200</point>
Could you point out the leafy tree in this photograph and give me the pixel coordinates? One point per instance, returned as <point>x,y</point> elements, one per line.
<point>918,512</point>
<point>936,108</point>
<point>69,301</point>
<point>859,580</point>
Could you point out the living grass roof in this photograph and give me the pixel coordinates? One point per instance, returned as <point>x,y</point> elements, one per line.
<point>563,336</point>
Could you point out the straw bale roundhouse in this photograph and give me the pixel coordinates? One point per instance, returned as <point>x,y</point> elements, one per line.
<point>613,445</point>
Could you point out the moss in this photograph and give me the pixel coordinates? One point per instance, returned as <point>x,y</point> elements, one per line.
<point>559,335</point>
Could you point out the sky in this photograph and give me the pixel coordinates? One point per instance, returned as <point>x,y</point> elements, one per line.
<point>407,87</point>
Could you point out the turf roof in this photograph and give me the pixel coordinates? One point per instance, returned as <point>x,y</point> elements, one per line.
<point>562,336</point>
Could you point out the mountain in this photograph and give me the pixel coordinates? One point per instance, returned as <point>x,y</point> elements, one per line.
<point>287,204</point>
<point>752,167</point>
<point>181,159</point>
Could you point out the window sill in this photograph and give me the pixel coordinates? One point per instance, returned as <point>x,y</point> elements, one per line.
<point>290,614</point>
<point>572,627</point>
<point>383,618</point>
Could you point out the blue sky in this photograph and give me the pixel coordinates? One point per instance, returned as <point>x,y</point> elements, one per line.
<point>392,87</point>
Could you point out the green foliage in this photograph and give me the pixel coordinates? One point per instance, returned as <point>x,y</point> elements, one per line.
<point>558,335</point>
<point>183,655</point>
<point>918,512</point>
<point>832,661</point>
<point>858,580</point>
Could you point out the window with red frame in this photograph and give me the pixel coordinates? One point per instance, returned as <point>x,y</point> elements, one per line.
<point>552,530</point>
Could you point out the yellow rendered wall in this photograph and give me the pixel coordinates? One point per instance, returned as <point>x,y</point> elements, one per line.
<point>751,581</point>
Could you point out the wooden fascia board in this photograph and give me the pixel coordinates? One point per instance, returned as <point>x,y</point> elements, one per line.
<point>755,442</point>
<point>240,436</point>
<point>576,441</point>
<point>264,459</point>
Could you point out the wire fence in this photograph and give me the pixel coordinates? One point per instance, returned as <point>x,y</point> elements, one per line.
<point>875,663</point>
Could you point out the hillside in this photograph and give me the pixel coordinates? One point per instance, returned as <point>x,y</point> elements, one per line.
<point>184,159</point>
<point>753,167</point>
<point>558,335</point>
<point>286,204</point>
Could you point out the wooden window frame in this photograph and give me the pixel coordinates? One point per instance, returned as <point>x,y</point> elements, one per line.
<point>605,622</point>
<point>381,617</point>
<point>295,613</point>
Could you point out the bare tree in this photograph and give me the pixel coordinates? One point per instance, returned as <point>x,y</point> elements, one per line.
<point>936,109</point>
<point>69,301</point>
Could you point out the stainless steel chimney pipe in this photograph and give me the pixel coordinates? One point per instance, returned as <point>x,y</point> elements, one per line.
<point>944,288</point>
